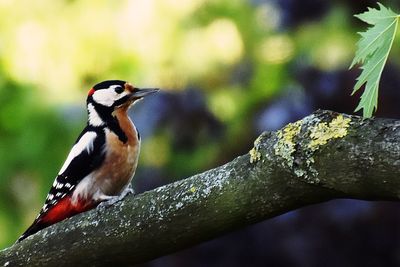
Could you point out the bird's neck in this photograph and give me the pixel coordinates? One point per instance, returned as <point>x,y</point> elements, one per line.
<point>102,117</point>
<point>126,125</point>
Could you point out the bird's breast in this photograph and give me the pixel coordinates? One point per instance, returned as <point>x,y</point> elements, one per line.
<point>120,161</point>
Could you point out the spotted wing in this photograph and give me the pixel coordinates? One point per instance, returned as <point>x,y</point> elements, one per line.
<point>85,156</point>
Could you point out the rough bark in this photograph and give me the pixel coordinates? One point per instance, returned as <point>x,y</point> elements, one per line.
<point>324,156</point>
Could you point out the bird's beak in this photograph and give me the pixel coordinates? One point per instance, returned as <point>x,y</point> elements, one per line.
<point>133,95</point>
<point>139,93</point>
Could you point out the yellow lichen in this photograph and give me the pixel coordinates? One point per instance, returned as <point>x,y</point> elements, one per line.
<point>286,145</point>
<point>323,132</point>
<point>255,155</point>
<point>192,189</point>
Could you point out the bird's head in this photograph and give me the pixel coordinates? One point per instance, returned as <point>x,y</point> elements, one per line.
<point>106,97</point>
<point>115,94</point>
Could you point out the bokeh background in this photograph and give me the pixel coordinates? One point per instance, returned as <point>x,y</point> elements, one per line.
<point>229,69</point>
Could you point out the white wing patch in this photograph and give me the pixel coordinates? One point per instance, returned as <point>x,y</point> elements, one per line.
<point>84,143</point>
<point>94,118</point>
<point>108,96</point>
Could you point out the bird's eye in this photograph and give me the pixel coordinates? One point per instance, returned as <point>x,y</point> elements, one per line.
<point>119,89</point>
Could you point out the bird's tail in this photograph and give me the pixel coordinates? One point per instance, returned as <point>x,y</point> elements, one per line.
<point>61,210</point>
<point>36,226</point>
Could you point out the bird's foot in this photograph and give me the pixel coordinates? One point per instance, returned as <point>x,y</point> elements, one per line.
<point>111,200</point>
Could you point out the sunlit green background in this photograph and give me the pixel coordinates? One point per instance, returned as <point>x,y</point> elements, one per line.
<point>233,51</point>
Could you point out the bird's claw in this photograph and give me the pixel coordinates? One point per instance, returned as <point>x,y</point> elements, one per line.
<point>111,200</point>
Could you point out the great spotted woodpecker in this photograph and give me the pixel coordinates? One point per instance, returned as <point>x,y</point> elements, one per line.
<point>103,160</point>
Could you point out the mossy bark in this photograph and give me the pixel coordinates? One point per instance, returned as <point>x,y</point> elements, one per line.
<point>324,156</point>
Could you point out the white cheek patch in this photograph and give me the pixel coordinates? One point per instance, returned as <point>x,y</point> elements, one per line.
<point>107,97</point>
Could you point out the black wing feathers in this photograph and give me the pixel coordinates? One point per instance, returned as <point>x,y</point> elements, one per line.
<point>87,161</point>
<point>81,166</point>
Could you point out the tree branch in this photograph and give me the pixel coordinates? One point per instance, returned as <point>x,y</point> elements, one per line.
<point>324,156</point>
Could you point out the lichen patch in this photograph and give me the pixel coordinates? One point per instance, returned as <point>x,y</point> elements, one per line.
<point>193,189</point>
<point>323,132</point>
<point>255,155</point>
<point>286,146</point>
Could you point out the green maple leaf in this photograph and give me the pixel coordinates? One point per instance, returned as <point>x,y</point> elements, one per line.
<point>372,52</point>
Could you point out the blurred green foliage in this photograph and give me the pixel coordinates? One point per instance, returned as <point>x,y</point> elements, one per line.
<point>51,52</point>
<point>32,144</point>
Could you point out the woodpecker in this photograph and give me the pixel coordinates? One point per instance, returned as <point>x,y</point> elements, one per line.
<point>101,164</point>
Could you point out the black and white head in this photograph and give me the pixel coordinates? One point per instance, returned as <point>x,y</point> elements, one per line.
<point>106,97</point>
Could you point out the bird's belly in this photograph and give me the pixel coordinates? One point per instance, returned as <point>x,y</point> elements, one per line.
<point>117,170</point>
<point>120,162</point>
